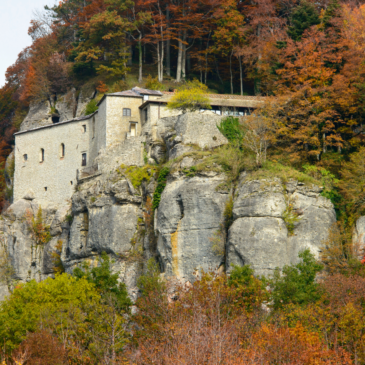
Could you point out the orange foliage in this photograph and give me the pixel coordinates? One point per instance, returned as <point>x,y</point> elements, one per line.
<point>102,87</point>
<point>40,348</point>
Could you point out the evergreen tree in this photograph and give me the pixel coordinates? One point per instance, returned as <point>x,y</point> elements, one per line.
<point>303,17</point>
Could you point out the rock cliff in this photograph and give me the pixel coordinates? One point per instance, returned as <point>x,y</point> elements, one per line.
<point>271,220</point>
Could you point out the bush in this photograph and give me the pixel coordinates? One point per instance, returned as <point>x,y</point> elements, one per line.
<point>106,282</point>
<point>190,97</point>
<point>161,183</point>
<point>297,283</point>
<point>91,107</point>
<point>153,83</point>
<point>151,281</point>
<point>231,129</point>
<point>21,312</point>
<point>138,174</point>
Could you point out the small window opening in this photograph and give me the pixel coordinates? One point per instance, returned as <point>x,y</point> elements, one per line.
<point>133,129</point>
<point>25,157</point>
<point>42,155</point>
<point>62,151</point>
<point>84,128</point>
<point>145,114</point>
<point>83,162</point>
<point>71,182</point>
<point>126,112</point>
<point>55,119</point>
<point>45,189</point>
<point>145,97</point>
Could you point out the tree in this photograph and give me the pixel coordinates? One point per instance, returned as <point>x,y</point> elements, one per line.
<point>229,34</point>
<point>190,97</point>
<point>297,283</point>
<point>23,310</point>
<point>106,282</point>
<point>303,17</point>
<point>104,36</point>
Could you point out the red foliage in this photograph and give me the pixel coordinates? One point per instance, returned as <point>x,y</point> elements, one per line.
<point>40,348</point>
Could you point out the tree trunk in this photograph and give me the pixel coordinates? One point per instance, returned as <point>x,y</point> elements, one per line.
<point>183,62</point>
<point>160,57</point>
<point>179,60</point>
<point>230,70</point>
<point>241,81</point>
<point>217,70</point>
<point>140,78</point>
<point>257,85</point>
<point>168,44</point>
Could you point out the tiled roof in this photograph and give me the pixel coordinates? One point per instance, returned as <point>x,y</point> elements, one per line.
<point>228,96</point>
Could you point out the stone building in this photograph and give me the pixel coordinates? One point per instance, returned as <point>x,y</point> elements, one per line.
<point>50,159</point>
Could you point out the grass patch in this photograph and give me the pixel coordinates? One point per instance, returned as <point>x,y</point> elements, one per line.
<point>271,170</point>
<point>137,175</point>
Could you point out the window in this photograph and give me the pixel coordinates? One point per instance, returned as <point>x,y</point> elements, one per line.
<point>126,112</point>
<point>62,150</point>
<point>84,128</point>
<point>145,97</point>
<point>71,182</point>
<point>45,189</point>
<point>145,112</point>
<point>25,157</point>
<point>83,162</point>
<point>41,157</point>
<point>133,129</point>
<point>55,118</point>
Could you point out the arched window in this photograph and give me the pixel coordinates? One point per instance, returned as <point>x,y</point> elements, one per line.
<point>126,112</point>
<point>41,157</point>
<point>62,150</point>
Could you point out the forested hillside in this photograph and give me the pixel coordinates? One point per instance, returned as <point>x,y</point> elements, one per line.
<point>306,142</point>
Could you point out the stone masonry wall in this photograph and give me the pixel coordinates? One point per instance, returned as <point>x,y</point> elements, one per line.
<point>116,125</point>
<point>54,179</point>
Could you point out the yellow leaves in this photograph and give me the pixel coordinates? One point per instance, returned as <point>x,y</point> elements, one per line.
<point>40,232</point>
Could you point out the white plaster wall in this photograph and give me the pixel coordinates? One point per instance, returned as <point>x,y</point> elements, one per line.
<point>56,173</point>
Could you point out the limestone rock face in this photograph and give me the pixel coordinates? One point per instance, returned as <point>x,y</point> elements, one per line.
<point>66,105</point>
<point>39,115</point>
<point>189,215</point>
<point>180,133</point>
<point>358,237</point>
<point>259,235</point>
<point>29,260</point>
<point>84,98</point>
<point>107,216</point>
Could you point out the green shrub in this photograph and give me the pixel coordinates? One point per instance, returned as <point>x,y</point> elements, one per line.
<point>228,213</point>
<point>91,107</point>
<point>190,172</point>
<point>22,311</point>
<point>190,97</point>
<point>231,129</point>
<point>252,291</point>
<point>297,283</point>
<point>290,217</point>
<point>105,281</point>
<point>161,183</point>
<point>151,281</point>
<point>137,175</point>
